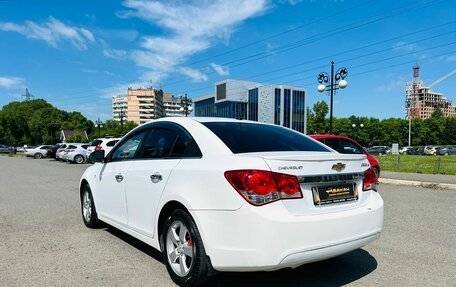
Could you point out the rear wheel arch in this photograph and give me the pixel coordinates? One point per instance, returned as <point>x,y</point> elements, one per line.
<point>165,212</point>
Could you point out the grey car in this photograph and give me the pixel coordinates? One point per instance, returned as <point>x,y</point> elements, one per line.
<point>448,150</point>
<point>4,148</point>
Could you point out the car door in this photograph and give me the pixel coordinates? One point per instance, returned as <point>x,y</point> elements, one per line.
<point>110,195</point>
<point>147,177</point>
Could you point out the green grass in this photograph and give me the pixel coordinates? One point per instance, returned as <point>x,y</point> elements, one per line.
<point>418,164</point>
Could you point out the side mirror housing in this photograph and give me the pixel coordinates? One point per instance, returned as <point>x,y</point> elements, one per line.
<point>97,156</point>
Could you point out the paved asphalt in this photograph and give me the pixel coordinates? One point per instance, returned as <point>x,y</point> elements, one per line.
<point>43,241</point>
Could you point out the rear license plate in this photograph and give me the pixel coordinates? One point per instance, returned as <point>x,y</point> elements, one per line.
<point>334,193</point>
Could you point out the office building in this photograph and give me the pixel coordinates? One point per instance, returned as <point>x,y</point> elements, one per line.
<point>277,104</point>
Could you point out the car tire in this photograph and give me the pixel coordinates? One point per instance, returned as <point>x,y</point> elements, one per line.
<point>88,211</point>
<point>78,159</point>
<point>180,240</point>
<point>37,155</point>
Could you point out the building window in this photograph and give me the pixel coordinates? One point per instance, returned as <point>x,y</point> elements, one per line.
<point>221,92</point>
<point>286,107</point>
<point>205,108</point>
<point>253,104</point>
<point>299,107</point>
<point>277,106</point>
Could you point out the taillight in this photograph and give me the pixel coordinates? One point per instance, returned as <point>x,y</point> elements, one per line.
<point>370,180</point>
<point>98,147</point>
<point>260,187</point>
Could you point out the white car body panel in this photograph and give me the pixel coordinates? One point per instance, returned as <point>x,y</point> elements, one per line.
<point>237,235</point>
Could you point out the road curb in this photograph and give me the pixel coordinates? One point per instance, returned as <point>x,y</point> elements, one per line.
<point>418,183</point>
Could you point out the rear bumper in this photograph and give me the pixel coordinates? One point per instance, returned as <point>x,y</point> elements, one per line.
<point>270,238</point>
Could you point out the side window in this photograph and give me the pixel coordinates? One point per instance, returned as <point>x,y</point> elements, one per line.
<point>334,144</point>
<point>159,144</point>
<point>349,147</point>
<point>111,143</point>
<point>128,149</point>
<point>85,146</point>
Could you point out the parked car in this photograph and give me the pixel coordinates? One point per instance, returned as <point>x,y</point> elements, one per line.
<point>53,150</point>
<point>232,195</point>
<point>378,150</point>
<point>4,149</point>
<point>448,150</point>
<point>430,150</point>
<point>60,151</point>
<point>37,152</point>
<point>404,149</point>
<point>102,143</point>
<point>347,145</point>
<point>76,153</point>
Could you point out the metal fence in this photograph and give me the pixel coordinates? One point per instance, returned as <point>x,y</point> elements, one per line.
<point>418,164</point>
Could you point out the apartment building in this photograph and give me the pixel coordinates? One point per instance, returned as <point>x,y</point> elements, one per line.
<point>144,104</point>
<point>172,105</point>
<point>119,107</point>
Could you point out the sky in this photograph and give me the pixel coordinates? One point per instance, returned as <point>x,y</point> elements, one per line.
<point>78,54</point>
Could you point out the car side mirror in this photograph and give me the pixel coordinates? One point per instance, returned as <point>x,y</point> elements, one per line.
<point>97,156</point>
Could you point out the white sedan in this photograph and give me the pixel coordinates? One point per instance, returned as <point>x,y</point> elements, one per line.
<point>37,152</point>
<point>227,195</point>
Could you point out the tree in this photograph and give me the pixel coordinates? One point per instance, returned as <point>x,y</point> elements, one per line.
<point>437,114</point>
<point>320,109</point>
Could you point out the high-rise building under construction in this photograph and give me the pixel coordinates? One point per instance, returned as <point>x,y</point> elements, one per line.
<point>422,102</point>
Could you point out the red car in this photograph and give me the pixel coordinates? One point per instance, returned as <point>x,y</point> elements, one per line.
<point>345,144</point>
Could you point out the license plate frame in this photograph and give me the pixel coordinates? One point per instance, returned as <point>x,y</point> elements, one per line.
<point>335,193</point>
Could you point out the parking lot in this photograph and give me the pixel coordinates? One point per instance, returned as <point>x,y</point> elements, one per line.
<point>43,241</point>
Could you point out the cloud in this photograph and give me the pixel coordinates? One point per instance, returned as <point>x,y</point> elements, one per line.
<point>187,28</point>
<point>52,32</point>
<point>403,46</point>
<point>10,82</point>
<point>393,85</point>
<point>115,54</point>
<point>221,70</point>
<point>194,75</point>
<point>291,2</point>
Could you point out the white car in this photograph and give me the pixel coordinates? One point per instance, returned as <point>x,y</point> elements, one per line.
<point>102,143</point>
<point>230,195</point>
<point>76,153</point>
<point>37,152</point>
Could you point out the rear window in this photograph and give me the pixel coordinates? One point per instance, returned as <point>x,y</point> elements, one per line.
<point>72,147</point>
<point>96,142</point>
<point>249,137</point>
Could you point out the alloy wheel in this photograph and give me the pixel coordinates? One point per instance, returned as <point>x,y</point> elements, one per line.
<point>179,248</point>
<point>87,206</point>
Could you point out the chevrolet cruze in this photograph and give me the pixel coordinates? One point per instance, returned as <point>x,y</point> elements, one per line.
<point>228,195</point>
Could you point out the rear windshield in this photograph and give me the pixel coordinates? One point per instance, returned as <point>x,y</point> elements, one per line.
<point>96,142</point>
<point>248,137</point>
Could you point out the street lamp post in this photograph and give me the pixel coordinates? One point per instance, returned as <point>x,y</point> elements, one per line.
<point>354,126</point>
<point>98,124</point>
<point>186,105</point>
<point>331,83</point>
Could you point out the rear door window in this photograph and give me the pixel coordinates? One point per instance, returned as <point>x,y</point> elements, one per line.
<point>111,143</point>
<point>159,144</point>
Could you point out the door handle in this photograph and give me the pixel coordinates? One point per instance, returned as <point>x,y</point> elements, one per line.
<point>156,177</point>
<point>119,177</point>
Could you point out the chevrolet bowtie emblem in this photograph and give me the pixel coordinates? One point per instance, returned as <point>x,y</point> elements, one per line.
<point>338,166</point>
